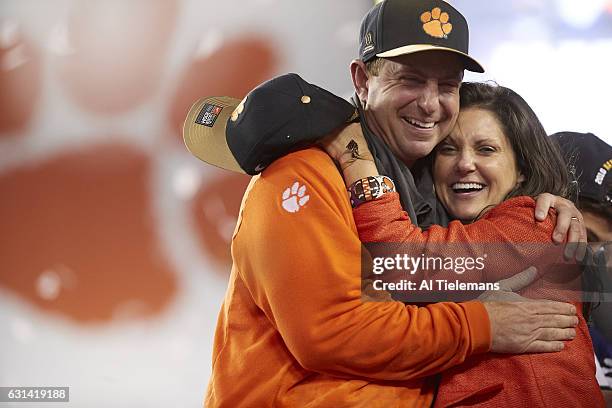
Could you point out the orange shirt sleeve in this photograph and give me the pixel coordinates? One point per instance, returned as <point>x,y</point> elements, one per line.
<point>298,252</point>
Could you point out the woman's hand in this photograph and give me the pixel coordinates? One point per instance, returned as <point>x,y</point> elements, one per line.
<point>349,149</point>
<point>570,224</point>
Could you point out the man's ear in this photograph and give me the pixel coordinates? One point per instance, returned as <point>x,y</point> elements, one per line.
<point>359,74</point>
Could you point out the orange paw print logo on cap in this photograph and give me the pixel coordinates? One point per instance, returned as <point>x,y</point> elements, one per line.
<point>435,23</point>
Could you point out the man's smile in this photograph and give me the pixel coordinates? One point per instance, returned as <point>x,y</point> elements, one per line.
<point>419,124</point>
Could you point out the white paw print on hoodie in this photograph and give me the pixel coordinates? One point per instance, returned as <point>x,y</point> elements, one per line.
<point>295,197</point>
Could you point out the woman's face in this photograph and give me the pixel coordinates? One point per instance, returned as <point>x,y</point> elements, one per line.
<point>475,166</point>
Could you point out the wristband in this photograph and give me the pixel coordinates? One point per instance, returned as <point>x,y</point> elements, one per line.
<point>369,188</point>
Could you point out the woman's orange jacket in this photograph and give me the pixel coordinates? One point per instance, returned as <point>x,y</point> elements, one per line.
<point>562,379</point>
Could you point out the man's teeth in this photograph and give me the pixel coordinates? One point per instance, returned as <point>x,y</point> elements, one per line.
<point>425,125</point>
<point>467,186</point>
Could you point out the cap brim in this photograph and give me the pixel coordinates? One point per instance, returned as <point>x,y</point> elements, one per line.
<point>208,143</point>
<point>470,63</point>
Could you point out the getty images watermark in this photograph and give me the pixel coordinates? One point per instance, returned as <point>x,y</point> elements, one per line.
<point>407,264</point>
<point>415,273</point>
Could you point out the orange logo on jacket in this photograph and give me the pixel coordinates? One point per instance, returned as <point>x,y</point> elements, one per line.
<point>435,23</point>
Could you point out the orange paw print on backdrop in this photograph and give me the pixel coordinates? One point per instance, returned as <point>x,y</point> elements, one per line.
<point>435,23</point>
<point>223,73</point>
<point>79,238</point>
<point>113,62</point>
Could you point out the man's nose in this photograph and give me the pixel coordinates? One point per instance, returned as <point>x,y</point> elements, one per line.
<point>429,100</point>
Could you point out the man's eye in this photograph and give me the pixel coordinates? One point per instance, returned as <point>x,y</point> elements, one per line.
<point>412,80</point>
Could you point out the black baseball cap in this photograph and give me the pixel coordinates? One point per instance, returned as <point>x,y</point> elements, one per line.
<point>591,158</point>
<point>281,115</point>
<point>399,27</point>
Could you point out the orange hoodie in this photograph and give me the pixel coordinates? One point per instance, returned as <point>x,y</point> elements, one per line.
<point>563,379</point>
<point>293,329</point>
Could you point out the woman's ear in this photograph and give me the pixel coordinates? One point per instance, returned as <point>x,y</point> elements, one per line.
<point>520,178</point>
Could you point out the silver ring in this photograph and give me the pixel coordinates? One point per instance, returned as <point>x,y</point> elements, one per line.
<point>575,218</point>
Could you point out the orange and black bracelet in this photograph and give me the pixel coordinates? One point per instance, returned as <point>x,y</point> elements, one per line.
<point>369,188</point>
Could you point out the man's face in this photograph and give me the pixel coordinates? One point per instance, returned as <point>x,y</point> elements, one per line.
<point>413,102</point>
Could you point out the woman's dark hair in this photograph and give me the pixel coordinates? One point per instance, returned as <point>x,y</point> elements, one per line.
<point>538,157</point>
